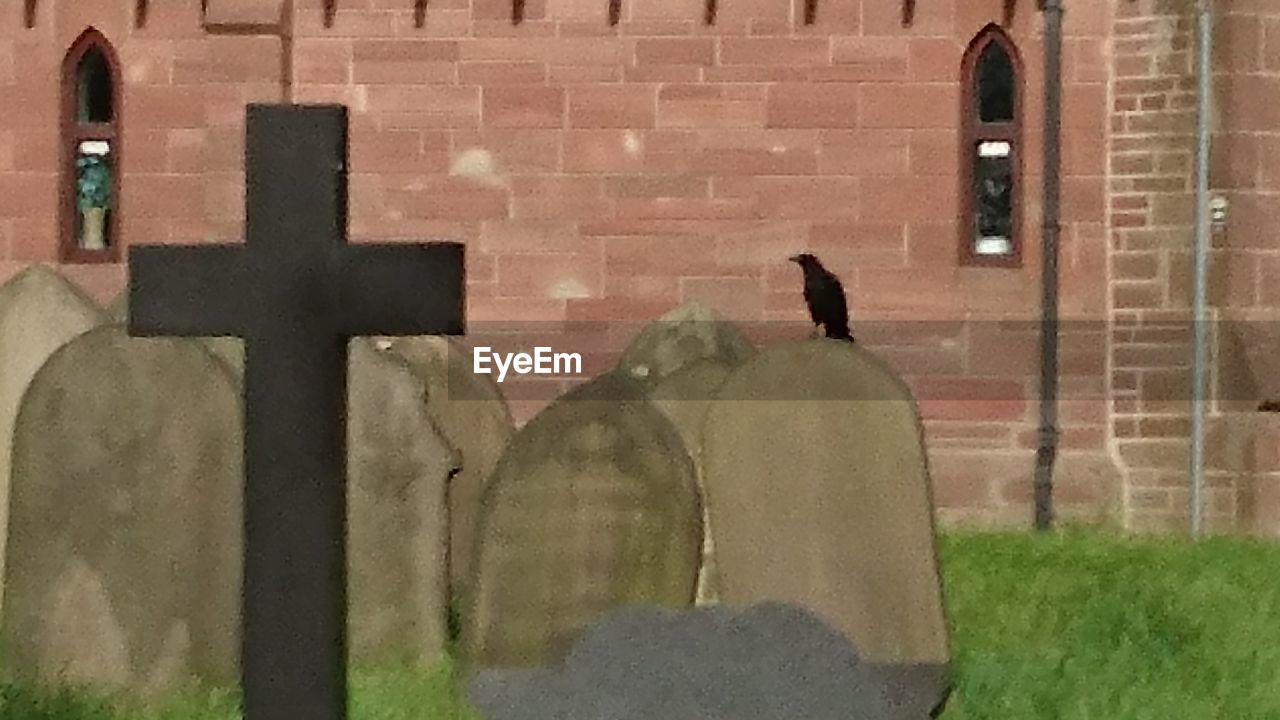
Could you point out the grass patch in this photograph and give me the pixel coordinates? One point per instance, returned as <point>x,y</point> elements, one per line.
<point>1087,626</point>
<point>1071,626</point>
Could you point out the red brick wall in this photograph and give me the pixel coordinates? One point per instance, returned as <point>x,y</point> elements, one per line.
<point>609,173</point>
<point>1152,204</point>
<point>1152,160</point>
<point>1246,277</point>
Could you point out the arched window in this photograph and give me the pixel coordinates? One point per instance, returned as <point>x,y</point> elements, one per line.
<point>91,151</point>
<point>991,165</point>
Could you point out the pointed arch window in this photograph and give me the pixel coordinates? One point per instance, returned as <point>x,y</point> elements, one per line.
<point>90,151</point>
<point>991,162</point>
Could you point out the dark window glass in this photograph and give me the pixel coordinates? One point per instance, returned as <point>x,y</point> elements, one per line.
<point>993,198</point>
<point>995,79</point>
<point>93,85</point>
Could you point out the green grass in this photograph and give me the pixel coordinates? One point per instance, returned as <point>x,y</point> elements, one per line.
<point>1090,627</point>
<point>1077,626</point>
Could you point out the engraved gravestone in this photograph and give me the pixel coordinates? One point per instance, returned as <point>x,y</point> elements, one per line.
<point>593,506</point>
<point>295,291</point>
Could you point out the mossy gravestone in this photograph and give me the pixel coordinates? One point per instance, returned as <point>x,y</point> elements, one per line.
<point>819,494</point>
<point>593,506</point>
<point>40,311</point>
<point>473,417</point>
<point>124,538</point>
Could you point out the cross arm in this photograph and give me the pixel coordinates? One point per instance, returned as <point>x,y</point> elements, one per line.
<point>400,289</point>
<point>187,290</point>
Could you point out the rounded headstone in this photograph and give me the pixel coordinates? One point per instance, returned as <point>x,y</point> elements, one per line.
<point>473,417</point>
<point>397,468</point>
<point>593,506</point>
<point>681,337</point>
<point>124,538</point>
<point>40,311</point>
<point>819,493</point>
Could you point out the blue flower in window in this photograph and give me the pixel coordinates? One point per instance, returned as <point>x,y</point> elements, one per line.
<point>93,182</point>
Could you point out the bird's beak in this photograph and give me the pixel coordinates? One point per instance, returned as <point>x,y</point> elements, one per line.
<point>794,259</point>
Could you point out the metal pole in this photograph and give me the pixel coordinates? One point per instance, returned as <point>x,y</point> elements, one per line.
<point>1200,350</point>
<point>1048,436</point>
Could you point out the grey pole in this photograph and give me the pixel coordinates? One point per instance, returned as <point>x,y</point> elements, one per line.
<point>1200,343</point>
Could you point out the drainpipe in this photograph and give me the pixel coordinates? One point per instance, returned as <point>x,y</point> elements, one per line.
<point>1048,436</point>
<point>1200,343</point>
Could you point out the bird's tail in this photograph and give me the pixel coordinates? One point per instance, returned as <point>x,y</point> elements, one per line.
<point>839,333</point>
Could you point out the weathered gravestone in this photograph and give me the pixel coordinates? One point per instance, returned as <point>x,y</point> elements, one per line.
<point>156,439</point>
<point>473,417</point>
<point>683,336</point>
<point>398,467</point>
<point>771,662</point>
<point>39,312</point>
<point>684,397</point>
<point>295,291</point>
<point>125,528</point>
<point>229,350</point>
<point>819,493</point>
<point>592,507</point>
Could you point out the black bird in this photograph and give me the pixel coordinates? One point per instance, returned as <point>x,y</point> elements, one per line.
<point>824,295</point>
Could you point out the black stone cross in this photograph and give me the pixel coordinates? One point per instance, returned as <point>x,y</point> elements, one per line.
<point>295,291</point>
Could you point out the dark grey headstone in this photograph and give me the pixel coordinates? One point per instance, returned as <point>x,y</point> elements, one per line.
<point>773,661</point>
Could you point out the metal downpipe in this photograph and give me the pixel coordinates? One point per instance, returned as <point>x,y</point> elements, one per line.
<point>1047,451</point>
<point>1200,342</point>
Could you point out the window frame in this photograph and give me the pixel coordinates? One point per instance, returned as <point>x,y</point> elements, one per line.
<point>973,131</point>
<point>72,133</point>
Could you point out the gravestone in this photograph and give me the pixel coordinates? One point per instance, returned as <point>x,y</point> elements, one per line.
<point>398,466</point>
<point>819,494</point>
<point>684,396</point>
<point>124,538</point>
<point>770,662</point>
<point>296,291</point>
<point>473,417</point>
<point>229,350</point>
<point>40,311</point>
<point>681,337</point>
<point>593,506</point>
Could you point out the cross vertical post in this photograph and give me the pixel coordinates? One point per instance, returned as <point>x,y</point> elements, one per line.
<point>296,292</point>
